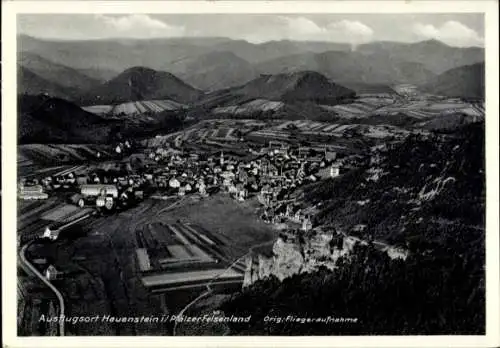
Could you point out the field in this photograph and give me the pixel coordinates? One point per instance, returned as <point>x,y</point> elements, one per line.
<point>124,263</point>
<point>34,216</point>
<point>424,109</point>
<point>207,131</point>
<point>361,107</point>
<point>31,156</point>
<point>191,252</point>
<point>409,102</point>
<point>29,221</point>
<point>288,130</point>
<point>258,105</point>
<point>134,108</point>
<point>236,226</point>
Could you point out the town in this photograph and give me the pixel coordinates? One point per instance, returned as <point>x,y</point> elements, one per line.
<point>270,174</point>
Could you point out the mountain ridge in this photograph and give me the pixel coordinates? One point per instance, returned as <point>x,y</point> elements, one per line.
<point>142,83</point>
<point>465,81</point>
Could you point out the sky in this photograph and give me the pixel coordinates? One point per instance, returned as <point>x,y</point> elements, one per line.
<point>461,30</point>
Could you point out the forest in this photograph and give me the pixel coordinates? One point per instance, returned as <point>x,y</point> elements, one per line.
<point>438,289</point>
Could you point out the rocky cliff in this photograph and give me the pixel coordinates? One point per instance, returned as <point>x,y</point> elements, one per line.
<point>292,257</point>
<point>318,249</point>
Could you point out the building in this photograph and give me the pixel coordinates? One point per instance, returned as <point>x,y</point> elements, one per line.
<point>334,171</point>
<point>99,190</point>
<point>31,189</point>
<point>174,183</point>
<point>306,224</point>
<point>33,195</point>
<point>51,273</point>
<point>329,172</point>
<point>32,192</point>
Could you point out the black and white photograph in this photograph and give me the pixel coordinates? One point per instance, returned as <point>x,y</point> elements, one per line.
<point>250,174</point>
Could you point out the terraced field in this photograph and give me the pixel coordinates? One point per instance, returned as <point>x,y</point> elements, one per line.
<point>410,103</point>
<point>135,107</point>
<point>423,109</point>
<point>210,130</point>
<point>282,131</point>
<point>257,105</point>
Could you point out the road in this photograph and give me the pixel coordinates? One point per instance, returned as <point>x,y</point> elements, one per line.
<point>209,290</point>
<point>29,266</point>
<point>171,205</point>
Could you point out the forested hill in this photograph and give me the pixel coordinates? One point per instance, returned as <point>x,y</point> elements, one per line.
<point>438,289</point>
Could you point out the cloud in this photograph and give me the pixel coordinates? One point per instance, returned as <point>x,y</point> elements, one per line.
<point>352,31</point>
<point>301,28</point>
<point>138,26</point>
<point>452,33</point>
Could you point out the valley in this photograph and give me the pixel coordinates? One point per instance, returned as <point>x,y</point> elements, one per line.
<point>181,177</point>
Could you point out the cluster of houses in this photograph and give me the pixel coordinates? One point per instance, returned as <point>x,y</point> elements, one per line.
<point>270,175</point>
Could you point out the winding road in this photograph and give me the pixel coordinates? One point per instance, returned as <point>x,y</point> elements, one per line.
<point>29,266</point>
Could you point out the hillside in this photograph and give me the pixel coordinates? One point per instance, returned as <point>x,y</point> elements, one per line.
<point>296,86</point>
<point>302,86</point>
<point>56,73</point>
<point>214,70</point>
<point>465,81</point>
<point>139,83</point>
<point>432,54</point>
<point>30,83</point>
<point>426,195</point>
<point>45,119</point>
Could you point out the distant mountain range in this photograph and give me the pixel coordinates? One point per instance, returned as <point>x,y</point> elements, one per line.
<point>219,77</point>
<point>215,63</point>
<point>214,70</point>
<point>433,54</point>
<point>351,67</point>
